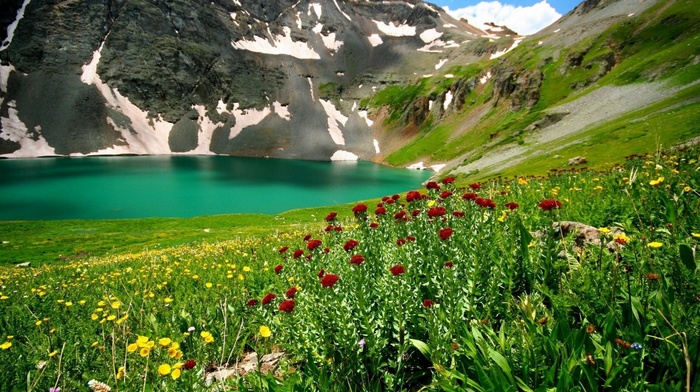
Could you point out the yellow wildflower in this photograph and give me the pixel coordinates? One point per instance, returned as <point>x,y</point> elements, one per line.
<point>111,318</point>
<point>164,369</point>
<point>164,342</point>
<point>53,353</point>
<point>655,244</point>
<point>265,331</point>
<point>132,347</point>
<point>38,323</point>
<point>145,351</point>
<point>604,230</point>
<point>246,269</point>
<point>208,285</point>
<point>175,374</point>
<point>168,300</point>
<point>656,182</point>
<point>116,304</point>
<point>121,372</point>
<point>696,235</point>
<point>6,345</point>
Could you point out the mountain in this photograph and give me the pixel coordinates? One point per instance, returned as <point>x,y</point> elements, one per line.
<point>397,82</point>
<point>280,78</point>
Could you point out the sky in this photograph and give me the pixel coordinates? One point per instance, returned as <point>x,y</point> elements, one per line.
<point>522,16</point>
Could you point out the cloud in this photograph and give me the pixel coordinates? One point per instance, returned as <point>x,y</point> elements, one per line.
<point>523,20</point>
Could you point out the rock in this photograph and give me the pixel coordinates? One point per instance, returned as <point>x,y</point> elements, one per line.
<point>23,265</point>
<point>249,363</point>
<point>577,161</point>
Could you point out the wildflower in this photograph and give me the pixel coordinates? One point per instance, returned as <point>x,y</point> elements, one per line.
<point>350,245</point>
<point>278,269</point>
<point>522,181</point>
<point>652,277</point>
<point>208,285</point>
<point>655,244</point>
<point>432,185</point>
<point>449,264</point>
<point>435,212</point>
<point>549,204</point>
<point>359,209</point>
<point>329,280</point>
<point>397,270</point>
<point>313,244</point>
<point>164,342</point>
<point>5,345</point>
<point>485,203</point>
<point>636,346</point>
<point>164,369</point>
<point>604,230</point>
<point>401,242</point>
<point>168,300</point>
<point>287,305</point>
<point>132,347</point>
<point>380,211</point>
<point>656,182</point>
<point>475,186</point>
<point>331,216</point>
<point>590,328</point>
<point>448,180</point>
<point>265,331</point>
<point>621,239</point>
<point>246,269</point>
<point>512,205</point>
<point>357,259</point>
<point>687,189</point>
<point>268,298</point>
<point>283,249</point>
<point>291,292</point>
<point>459,214</point>
<point>428,303</point>
<point>55,389</point>
<point>53,353</point>
<point>445,194</point>
<point>97,386</point>
<point>321,273</point>
<point>445,233</point>
<point>297,253</point>
<point>362,343</point>
<point>116,304</point>
<point>208,338</point>
<point>144,352</point>
<point>696,235</point>
<point>189,364</point>
<point>413,196</point>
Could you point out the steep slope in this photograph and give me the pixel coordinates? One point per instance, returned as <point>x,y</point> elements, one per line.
<point>280,78</point>
<point>608,79</point>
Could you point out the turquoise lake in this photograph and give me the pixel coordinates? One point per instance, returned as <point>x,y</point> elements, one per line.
<point>186,186</point>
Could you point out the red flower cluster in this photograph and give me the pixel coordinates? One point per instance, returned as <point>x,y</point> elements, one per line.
<point>374,225</point>
<point>458,214</point>
<point>313,244</point>
<point>445,194</point>
<point>357,259</point>
<point>512,205</point>
<point>449,264</point>
<point>321,273</point>
<point>380,211</point>
<point>434,212</point>
<point>432,185</point>
<point>287,306</point>
<point>350,245</point>
<point>252,302</point>
<point>307,237</point>
<point>401,215</point>
<point>397,270</point>
<point>475,186</point>
<point>331,216</point>
<point>410,238</point>
<point>485,203</point>
<point>448,180</point>
<point>278,269</point>
<point>291,292</point>
<point>189,364</point>
<point>401,242</point>
<point>428,303</point>
<point>359,209</point>
<point>283,249</point>
<point>469,196</point>
<point>413,196</point>
<point>297,253</point>
<point>268,298</point>
<point>329,280</point>
<point>549,204</point>
<point>445,233</point>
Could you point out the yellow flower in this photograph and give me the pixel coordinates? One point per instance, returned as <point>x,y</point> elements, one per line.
<point>116,304</point>
<point>53,353</point>
<point>522,181</point>
<point>175,345</point>
<point>431,203</point>
<point>164,342</point>
<point>696,235</point>
<point>205,334</point>
<point>656,182</point>
<point>655,244</point>
<point>604,230</point>
<point>38,323</point>
<point>598,188</point>
<point>94,316</point>
<point>687,189</point>
<point>172,352</point>
<point>95,343</point>
<point>121,372</point>
<point>112,318</point>
<point>175,374</point>
<point>246,269</point>
<point>141,341</point>
<point>208,285</point>
<point>168,300</point>
<point>132,347</point>
<point>144,352</point>
<point>5,345</point>
<point>69,303</point>
<point>265,331</point>
<point>164,369</point>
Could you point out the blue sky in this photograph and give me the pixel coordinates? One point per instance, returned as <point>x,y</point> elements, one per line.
<point>523,16</point>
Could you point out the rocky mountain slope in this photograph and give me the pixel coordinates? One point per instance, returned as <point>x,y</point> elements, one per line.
<point>279,78</point>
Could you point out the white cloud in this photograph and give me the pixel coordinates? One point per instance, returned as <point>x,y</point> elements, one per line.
<point>523,20</point>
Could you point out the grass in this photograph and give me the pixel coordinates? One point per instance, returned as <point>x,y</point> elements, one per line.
<point>451,287</point>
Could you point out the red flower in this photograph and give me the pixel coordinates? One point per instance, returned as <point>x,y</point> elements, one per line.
<point>359,209</point>
<point>268,298</point>
<point>331,216</point>
<point>283,249</point>
<point>397,270</point>
<point>328,228</point>
<point>475,186</point>
<point>291,292</point>
<point>512,205</point>
<point>357,259</point>
<point>432,185</point>
<point>449,264</point>
<point>413,196</point>
<point>549,204</point>
<point>287,305</point>
<point>307,237</point>
<point>350,245</point>
<point>434,212</point>
<point>400,215</point>
<point>189,364</point>
<point>313,244</point>
<point>428,303</point>
<point>415,212</point>
<point>448,180</point>
<point>445,233</point>
<point>380,211</point>
<point>252,302</point>
<point>410,238</point>
<point>445,194</point>
<point>321,273</point>
<point>329,280</point>
<point>278,269</point>
<point>458,214</point>
<point>374,225</point>
<point>338,228</point>
<point>401,242</point>
<point>297,253</point>
<point>485,203</point>
<point>469,196</point>
<point>395,197</point>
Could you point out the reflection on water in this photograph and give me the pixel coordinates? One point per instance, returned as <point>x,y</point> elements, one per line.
<point>184,186</point>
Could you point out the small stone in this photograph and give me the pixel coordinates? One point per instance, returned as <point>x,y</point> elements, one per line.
<point>577,161</point>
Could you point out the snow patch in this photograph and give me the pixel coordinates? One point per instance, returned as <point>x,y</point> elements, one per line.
<point>233,18</point>
<point>280,45</point>
<point>341,11</point>
<point>311,88</point>
<point>430,105</point>
<point>440,64</point>
<point>329,41</point>
<point>430,35</point>
<point>5,75</point>
<point>420,166</point>
<point>449,76</point>
<point>335,117</point>
<point>449,26</point>
<point>448,99</point>
<point>206,130</point>
<point>375,40</point>
<point>396,30</point>
<point>281,110</point>
<point>364,115</point>
<point>13,129</point>
<point>516,42</point>
<point>485,78</point>
<point>316,8</point>
<point>13,26</point>
<point>89,74</point>
<point>376,146</point>
<point>246,118</point>
<point>341,155</point>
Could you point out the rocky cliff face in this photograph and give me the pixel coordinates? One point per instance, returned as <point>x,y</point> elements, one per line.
<point>277,78</point>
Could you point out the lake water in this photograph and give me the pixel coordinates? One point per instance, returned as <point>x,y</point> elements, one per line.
<point>186,186</point>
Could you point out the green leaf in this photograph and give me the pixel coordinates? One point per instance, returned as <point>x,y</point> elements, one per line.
<point>522,385</point>
<point>608,358</point>
<point>525,239</point>
<point>500,361</point>
<point>421,346</point>
<point>687,256</point>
